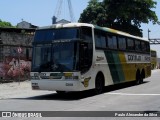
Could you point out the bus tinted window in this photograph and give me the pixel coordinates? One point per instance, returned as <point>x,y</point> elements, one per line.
<point>100,39</point>
<point>137,45</point>
<point>130,44</point>
<point>56,34</point>
<point>122,43</point>
<point>112,42</point>
<point>86,34</point>
<point>103,42</point>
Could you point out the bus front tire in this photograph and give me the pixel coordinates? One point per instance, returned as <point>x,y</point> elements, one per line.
<point>99,84</point>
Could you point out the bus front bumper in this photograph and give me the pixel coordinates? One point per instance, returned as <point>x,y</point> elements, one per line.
<point>56,85</point>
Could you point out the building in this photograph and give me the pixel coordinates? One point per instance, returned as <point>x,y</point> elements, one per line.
<point>63,21</point>
<point>15,52</point>
<point>54,21</point>
<point>26,25</point>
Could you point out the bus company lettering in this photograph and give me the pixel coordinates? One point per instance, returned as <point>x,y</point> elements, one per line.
<point>147,58</point>
<point>137,58</point>
<point>99,58</point>
<point>134,58</point>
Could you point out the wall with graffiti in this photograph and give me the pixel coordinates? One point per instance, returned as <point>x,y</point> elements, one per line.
<point>15,53</point>
<point>15,65</point>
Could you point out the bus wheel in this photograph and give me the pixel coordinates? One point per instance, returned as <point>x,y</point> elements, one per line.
<point>61,92</point>
<point>139,78</point>
<point>142,76</point>
<point>99,84</point>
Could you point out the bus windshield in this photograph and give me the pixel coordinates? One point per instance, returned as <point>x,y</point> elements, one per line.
<point>62,50</point>
<point>58,57</point>
<point>56,34</point>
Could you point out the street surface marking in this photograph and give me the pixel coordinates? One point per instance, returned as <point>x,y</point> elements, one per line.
<point>132,94</point>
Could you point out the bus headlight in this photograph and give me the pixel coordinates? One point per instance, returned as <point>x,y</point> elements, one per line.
<point>72,77</point>
<point>34,78</point>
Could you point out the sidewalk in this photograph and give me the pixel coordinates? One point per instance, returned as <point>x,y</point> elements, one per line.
<point>16,90</point>
<point>155,71</point>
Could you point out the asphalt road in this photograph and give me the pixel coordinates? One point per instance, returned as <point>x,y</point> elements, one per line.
<point>123,97</point>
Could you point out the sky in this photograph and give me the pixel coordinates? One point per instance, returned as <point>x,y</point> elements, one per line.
<point>40,12</point>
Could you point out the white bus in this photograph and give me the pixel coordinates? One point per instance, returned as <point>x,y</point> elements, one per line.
<point>80,56</point>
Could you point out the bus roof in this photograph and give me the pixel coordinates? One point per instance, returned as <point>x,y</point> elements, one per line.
<point>68,25</point>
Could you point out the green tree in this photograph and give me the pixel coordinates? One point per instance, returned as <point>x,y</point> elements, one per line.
<point>124,15</point>
<point>5,24</point>
<point>94,13</point>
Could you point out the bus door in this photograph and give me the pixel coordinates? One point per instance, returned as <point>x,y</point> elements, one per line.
<point>84,57</point>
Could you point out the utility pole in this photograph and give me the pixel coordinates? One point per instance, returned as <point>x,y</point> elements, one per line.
<point>148,34</point>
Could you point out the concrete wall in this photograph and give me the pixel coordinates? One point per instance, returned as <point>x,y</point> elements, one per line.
<point>12,38</point>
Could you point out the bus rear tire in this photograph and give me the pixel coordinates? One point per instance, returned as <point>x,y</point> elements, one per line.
<point>139,78</point>
<point>142,76</point>
<point>99,84</point>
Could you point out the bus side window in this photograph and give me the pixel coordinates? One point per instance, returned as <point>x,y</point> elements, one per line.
<point>100,39</point>
<point>144,47</point>
<point>130,44</point>
<point>103,41</point>
<point>112,42</point>
<point>122,43</point>
<point>114,38</point>
<point>137,45</point>
<point>86,34</point>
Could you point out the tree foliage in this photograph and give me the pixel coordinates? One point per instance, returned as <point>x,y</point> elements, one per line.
<point>124,15</point>
<point>5,24</point>
<point>94,13</point>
